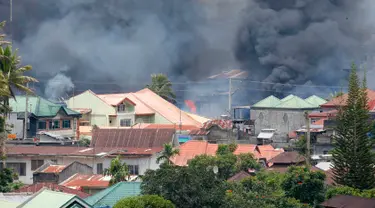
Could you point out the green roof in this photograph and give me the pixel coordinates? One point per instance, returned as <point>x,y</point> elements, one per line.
<point>287,98</point>
<point>295,102</point>
<point>52,199</point>
<point>269,102</point>
<point>315,100</point>
<point>38,106</point>
<point>110,195</point>
<point>8,204</point>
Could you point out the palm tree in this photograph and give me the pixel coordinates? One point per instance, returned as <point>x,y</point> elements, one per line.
<point>167,153</point>
<point>119,172</point>
<point>162,86</point>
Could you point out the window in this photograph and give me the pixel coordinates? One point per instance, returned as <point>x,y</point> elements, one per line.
<point>19,168</point>
<point>35,164</point>
<point>125,122</point>
<point>99,168</point>
<point>54,161</point>
<point>133,169</point>
<point>42,125</point>
<point>66,124</point>
<point>54,124</point>
<point>121,108</point>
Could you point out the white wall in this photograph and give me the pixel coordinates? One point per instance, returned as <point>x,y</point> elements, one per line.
<point>17,125</point>
<point>143,163</point>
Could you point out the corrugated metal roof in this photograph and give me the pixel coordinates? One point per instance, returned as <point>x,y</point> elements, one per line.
<point>137,138</point>
<point>111,195</point>
<point>315,100</point>
<point>295,102</point>
<point>78,181</point>
<point>39,106</point>
<point>34,188</point>
<point>269,102</point>
<point>54,169</point>
<point>8,204</point>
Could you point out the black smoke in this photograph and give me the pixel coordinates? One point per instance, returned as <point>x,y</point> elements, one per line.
<point>115,45</point>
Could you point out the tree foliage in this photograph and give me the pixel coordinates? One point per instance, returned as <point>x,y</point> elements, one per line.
<point>145,201</point>
<point>117,170</point>
<point>353,160</point>
<point>346,190</point>
<point>6,180</point>
<point>304,185</point>
<point>161,85</point>
<point>167,153</point>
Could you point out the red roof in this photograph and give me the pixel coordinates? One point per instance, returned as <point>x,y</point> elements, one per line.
<point>223,124</point>
<point>199,132</point>
<point>53,169</point>
<point>164,126</point>
<point>193,148</point>
<point>320,122</point>
<point>268,152</point>
<point>34,188</point>
<point>326,114</point>
<point>79,181</point>
<point>79,151</point>
<point>131,138</point>
<point>341,101</point>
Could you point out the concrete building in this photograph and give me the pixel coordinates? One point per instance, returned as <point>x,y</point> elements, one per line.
<point>285,115</point>
<point>43,116</point>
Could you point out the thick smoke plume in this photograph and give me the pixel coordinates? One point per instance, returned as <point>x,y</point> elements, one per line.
<point>115,44</point>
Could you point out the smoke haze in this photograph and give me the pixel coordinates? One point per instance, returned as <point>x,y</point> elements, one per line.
<point>116,44</point>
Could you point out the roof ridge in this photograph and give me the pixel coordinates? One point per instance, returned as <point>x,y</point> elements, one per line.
<point>111,189</point>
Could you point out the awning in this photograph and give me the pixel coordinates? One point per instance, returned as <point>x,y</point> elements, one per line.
<point>265,135</point>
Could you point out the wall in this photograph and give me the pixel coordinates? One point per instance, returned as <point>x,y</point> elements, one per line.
<point>17,125</point>
<point>145,119</point>
<point>144,163</point>
<point>99,109</point>
<point>73,169</point>
<point>284,121</point>
<point>159,119</point>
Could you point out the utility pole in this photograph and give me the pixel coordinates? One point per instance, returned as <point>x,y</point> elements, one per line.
<point>11,20</point>
<point>26,114</point>
<point>230,96</point>
<point>307,138</point>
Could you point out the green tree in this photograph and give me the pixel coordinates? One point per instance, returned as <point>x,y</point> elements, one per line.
<point>6,180</point>
<point>145,201</point>
<point>161,85</point>
<point>167,153</point>
<point>185,186</point>
<point>353,160</point>
<point>304,185</point>
<point>118,171</point>
<point>84,142</point>
<point>346,190</point>
<point>246,161</point>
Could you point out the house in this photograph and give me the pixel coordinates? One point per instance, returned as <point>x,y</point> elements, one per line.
<point>88,183</point>
<point>51,173</point>
<point>44,117</point>
<point>346,201</point>
<point>111,195</point>
<point>128,109</point>
<point>36,187</point>
<point>53,199</point>
<point>215,131</point>
<point>239,176</point>
<point>284,115</point>
<point>281,162</point>
<point>194,148</point>
<point>139,148</point>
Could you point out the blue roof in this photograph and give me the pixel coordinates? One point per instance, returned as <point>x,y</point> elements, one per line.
<point>111,195</point>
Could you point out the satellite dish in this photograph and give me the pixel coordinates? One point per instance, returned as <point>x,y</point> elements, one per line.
<point>215,169</point>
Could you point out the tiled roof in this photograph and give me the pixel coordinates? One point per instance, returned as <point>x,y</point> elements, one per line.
<point>287,158</point>
<point>39,106</point>
<point>193,148</point>
<point>111,195</point>
<point>53,169</point>
<point>223,124</point>
<point>51,186</point>
<point>234,73</point>
<point>116,99</point>
<point>77,181</point>
<point>136,138</point>
<point>341,100</point>
<point>315,100</point>
<point>239,176</point>
<point>268,102</point>
<point>345,201</point>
